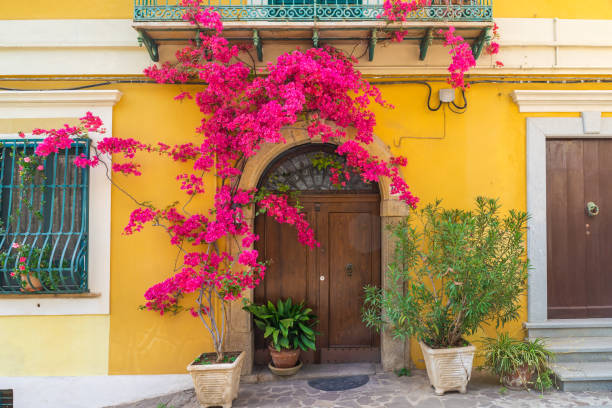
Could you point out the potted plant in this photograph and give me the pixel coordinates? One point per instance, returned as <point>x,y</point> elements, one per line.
<point>451,274</point>
<point>32,267</point>
<point>518,364</point>
<point>290,329</point>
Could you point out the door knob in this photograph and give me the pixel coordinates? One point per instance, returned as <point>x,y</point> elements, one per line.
<point>349,269</point>
<point>592,209</point>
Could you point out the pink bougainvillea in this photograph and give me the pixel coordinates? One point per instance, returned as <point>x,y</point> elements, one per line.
<point>397,11</point>
<point>318,89</point>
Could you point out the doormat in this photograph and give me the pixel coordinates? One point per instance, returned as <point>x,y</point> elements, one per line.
<point>339,383</point>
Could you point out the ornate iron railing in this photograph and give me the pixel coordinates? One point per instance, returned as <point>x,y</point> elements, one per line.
<point>48,216</point>
<point>311,10</point>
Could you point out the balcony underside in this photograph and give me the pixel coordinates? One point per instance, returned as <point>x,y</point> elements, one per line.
<point>317,33</point>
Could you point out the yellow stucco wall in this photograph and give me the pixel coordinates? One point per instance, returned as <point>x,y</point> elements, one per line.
<point>53,345</point>
<point>70,9</point>
<point>481,152</point>
<point>141,341</point>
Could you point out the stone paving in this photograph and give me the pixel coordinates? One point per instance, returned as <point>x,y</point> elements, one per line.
<point>389,391</point>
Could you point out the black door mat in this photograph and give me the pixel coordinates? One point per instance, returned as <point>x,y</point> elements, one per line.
<point>339,383</point>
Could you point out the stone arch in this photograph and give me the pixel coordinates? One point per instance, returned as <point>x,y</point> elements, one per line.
<point>395,354</point>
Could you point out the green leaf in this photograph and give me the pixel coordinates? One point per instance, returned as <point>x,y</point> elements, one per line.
<point>306,329</point>
<point>287,322</point>
<point>307,342</point>
<point>275,333</point>
<point>269,330</point>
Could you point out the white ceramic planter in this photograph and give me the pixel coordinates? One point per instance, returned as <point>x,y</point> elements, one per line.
<point>217,384</point>
<point>449,369</point>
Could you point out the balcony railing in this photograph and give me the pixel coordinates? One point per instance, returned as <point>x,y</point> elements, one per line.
<point>313,10</point>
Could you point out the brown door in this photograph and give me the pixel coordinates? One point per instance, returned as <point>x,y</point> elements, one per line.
<point>579,245</point>
<point>330,279</point>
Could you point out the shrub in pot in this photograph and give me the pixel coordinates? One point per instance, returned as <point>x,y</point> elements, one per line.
<point>518,364</point>
<point>453,272</point>
<point>289,328</point>
<point>34,267</point>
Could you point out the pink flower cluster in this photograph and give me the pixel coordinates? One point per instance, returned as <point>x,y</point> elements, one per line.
<point>399,11</point>
<point>372,169</point>
<point>462,58</point>
<point>278,208</point>
<point>83,161</point>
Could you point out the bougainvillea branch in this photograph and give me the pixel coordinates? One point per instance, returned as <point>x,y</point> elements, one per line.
<point>462,57</point>
<point>319,90</point>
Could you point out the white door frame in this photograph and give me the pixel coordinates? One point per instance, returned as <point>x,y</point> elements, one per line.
<point>589,125</point>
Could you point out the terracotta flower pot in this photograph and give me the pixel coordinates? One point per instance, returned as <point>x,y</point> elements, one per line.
<point>30,283</point>
<point>448,369</point>
<point>519,379</point>
<point>216,384</point>
<point>284,358</point>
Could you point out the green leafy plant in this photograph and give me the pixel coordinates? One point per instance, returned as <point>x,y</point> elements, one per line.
<point>505,355</point>
<point>403,372</point>
<point>32,261</point>
<point>451,274</point>
<point>286,325</point>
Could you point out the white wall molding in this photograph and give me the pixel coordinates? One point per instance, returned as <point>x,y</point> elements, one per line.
<point>563,101</point>
<point>538,130</point>
<point>72,104</point>
<point>9,101</point>
<point>91,391</point>
<point>110,47</point>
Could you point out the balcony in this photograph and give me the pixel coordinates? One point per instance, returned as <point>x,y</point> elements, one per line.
<point>319,21</point>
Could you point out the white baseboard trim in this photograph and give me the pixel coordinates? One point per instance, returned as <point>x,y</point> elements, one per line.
<point>91,391</point>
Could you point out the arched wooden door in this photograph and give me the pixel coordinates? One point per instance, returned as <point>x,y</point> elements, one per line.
<point>330,279</point>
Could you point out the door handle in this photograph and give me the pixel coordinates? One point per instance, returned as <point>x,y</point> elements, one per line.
<point>349,269</point>
<point>592,209</point>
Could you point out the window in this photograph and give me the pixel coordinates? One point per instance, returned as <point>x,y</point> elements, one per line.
<point>44,231</point>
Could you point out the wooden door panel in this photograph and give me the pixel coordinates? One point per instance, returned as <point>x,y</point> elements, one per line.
<point>579,247</point>
<point>348,229</point>
<point>565,229</point>
<point>598,188</point>
<point>349,271</point>
<point>289,272</point>
<point>353,238</point>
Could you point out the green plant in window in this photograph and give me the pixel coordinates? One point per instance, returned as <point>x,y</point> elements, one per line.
<point>32,264</point>
<point>31,177</point>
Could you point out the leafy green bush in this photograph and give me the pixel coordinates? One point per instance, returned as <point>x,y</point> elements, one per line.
<point>505,355</point>
<point>287,325</point>
<point>451,274</point>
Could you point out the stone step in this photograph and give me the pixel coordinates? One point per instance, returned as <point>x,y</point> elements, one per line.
<point>570,328</point>
<point>580,349</point>
<point>585,376</point>
<point>262,374</point>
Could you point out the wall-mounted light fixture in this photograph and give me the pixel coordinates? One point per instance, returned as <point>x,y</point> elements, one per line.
<point>447,96</point>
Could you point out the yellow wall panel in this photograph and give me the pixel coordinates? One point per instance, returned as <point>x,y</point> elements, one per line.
<point>53,345</point>
<point>72,9</point>
<point>142,342</point>
<point>65,9</point>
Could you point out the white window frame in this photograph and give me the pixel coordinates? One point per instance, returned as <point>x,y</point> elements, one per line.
<point>71,104</point>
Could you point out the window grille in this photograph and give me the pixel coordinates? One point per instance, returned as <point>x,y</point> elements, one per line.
<point>6,398</point>
<point>48,216</point>
<point>294,170</point>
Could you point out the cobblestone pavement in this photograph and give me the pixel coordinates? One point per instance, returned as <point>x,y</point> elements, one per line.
<point>389,391</point>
